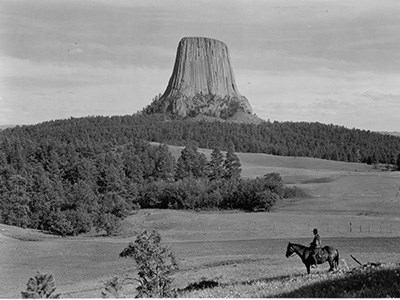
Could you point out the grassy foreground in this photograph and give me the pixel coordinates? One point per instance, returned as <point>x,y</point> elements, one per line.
<point>364,282</point>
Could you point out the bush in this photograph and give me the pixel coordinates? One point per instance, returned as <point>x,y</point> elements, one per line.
<point>113,288</point>
<point>258,194</point>
<point>40,286</point>
<point>109,223</point>
<point>155,265</point>
<point>59,224</point>
<point>190,193</point>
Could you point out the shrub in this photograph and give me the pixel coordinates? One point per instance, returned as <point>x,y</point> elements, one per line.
<point>40,286</point>
<point>155,265</point>
<point>113,288</point>
<point>259,193</point>
<point>59,224</point>
<point>274,183</point>
<point>109,223</point>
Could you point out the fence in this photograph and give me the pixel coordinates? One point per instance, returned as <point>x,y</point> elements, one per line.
<point>265,225</point>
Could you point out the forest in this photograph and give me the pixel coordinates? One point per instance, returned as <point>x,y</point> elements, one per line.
<point>81,174</point>
<point>305,139</point>
<point>69,188</point>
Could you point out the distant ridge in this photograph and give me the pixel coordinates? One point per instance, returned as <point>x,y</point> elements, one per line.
<point>394,133</point>
<point>6,126</point>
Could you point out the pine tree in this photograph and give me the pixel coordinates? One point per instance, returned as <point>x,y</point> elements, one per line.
<point>191,163</point>
<point>40,286</point>
<point>216,165</point>
<point>398,162</point>
<point>154,263</point>
<point>232,165</point>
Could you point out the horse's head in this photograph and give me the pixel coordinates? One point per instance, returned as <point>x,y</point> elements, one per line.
<point>289,250</point>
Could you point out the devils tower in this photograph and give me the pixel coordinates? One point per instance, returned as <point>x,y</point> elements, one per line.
<point>202,83</point>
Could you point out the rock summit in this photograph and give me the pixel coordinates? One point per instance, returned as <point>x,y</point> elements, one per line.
<point>202,83</point>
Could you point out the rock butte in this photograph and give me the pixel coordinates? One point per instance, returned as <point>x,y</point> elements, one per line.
<point>202,83</point>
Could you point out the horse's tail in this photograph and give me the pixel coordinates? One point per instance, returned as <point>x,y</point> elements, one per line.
<point>337,258</point>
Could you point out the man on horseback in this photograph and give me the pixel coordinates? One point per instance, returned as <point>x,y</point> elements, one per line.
<point>315,246</point>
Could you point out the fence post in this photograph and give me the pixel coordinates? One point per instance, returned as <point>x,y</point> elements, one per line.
<point>350,227</point>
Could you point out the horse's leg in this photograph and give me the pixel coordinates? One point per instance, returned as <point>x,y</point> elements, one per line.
<point>334,264</point>
<point>336,260</point>
<point>331,263</point>
<point>308,268</point>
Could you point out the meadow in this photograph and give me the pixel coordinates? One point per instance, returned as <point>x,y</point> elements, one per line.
<point>355,206</point>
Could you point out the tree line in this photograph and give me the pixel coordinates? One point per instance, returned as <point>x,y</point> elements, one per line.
<point>304,139</point>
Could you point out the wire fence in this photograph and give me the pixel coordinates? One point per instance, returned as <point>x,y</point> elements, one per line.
<point>353,227</point>
<point>243,226</point>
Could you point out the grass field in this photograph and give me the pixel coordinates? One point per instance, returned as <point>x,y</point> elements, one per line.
<point>355,206</point>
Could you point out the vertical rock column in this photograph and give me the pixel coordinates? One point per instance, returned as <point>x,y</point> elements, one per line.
<point>202,81</point>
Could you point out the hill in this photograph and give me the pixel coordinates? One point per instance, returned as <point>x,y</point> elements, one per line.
<point>303,139</point>
<point>394,133</point>
<point>6,126</point>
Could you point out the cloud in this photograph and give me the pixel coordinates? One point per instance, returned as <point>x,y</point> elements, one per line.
<point>5,111</point>
<point>382,98</point>
<point>3,106</point>
<point>327,96</point>
<point>75,50</point>
<point>41,91</point>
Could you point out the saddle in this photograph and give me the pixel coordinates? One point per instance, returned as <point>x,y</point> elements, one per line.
<point>317,251</point>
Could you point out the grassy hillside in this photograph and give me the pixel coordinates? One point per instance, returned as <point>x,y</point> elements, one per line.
<point>379,282</point>
<point>336,187</point>
<point>293,169</point>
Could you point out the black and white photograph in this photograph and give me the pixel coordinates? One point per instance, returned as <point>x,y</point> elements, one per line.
<point>199,149</point>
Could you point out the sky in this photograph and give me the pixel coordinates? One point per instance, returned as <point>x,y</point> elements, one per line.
<point>334,62</point>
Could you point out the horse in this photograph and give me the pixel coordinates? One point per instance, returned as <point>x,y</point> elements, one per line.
<point>326,253</point>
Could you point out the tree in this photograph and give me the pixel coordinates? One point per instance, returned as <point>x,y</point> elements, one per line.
<point>274,183</point>
<point>155,265</point>
<point>232,165</point>
<point>108,222</point>
<point>14,201</point>
<point>398,162</point>
<point>164,163</point>
<point>191,163</point>
<point>40,286</point>
<point>216,165</point>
